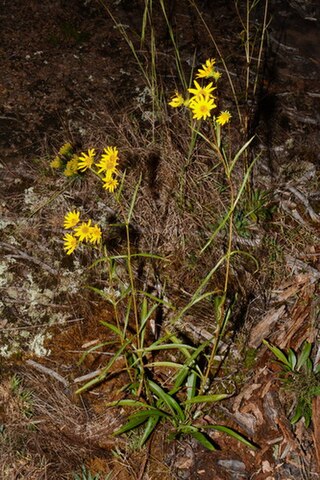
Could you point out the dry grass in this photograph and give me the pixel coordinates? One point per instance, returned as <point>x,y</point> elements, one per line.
<point>56,437</point>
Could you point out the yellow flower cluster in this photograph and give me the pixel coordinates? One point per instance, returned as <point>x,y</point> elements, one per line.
<point>202,100</point>
<point>106,167</point>
<point>81,232</point>
<point>66,160</point>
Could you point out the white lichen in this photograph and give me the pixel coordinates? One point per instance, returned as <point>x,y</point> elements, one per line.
<point>37,344</point>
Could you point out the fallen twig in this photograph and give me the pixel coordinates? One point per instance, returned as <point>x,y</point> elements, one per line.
<point>48,371</point>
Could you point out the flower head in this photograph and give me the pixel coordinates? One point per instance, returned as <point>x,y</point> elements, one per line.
<point>207,69</point>
<point>199,91</point>
<point>65,150</point>
<point>177,100</point>
<point>216,75</point>
<point>96,234</point>
<point>70,243</point>
<point>109,160</point>
<point>71,166</point>
<point>71,219</point>
<point>86,160</point>
<point>224,117</point>
<point>56,162</point>
<point>201,107</point>
<point>110,183</point>
<point>83,231</point>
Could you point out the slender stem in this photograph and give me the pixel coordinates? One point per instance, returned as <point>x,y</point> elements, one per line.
<point>221,311</point>
<point>132,285</point>
<point>247,49</point>
<point>264,29</point>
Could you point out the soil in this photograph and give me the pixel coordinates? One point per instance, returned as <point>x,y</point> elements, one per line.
<point>69,75</point>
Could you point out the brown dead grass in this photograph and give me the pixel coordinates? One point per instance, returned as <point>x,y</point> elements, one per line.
<point>58,435</point>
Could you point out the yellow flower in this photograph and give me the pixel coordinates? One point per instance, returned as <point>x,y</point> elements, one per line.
<point>68,172</point>
<point>71,166</point>
<point>201,107</point>
<point>56,162</point>
<point>95,235</point>
<point>216,75</point>
<point>177,100</point>
<point>70,243</point>
<point>83,231</point>
<point>86,160</point>
<point>110,183</point>
<point>66,149</point>
<point>109,160</point>
<point>207,69</point>
<point>199,91</point>
<point>71,219</point>
<point>224,117</point>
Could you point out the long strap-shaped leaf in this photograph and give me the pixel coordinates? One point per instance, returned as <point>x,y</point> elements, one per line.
<point>167,399</point>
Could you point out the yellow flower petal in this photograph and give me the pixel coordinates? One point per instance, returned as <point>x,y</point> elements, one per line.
<point>201,108</point>
<point>70,243</point>
<point>71,219</point>
<point>224,117</point>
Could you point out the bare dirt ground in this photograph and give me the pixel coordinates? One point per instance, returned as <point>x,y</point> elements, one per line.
<point>68,75</point>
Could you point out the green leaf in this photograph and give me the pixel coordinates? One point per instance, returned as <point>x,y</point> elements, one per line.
<point>126,402</point>
<point>166,346</point>
<point>111,327</point>
<point>185,371</point>
<point>182,347</point>
<point>240,152</point>
<point>292,358</point>
<point>278,353</point>
<point>145,315</point>
<point>208,398</point>
<point>187,429</point>
<point>150,426</point>
<point>155,412</point>
<point>102,375</point>
<point>307,416</point>
<point>168,400</point>
<point>191,385</point>
<point>304,355</point>
<point>93,349</point>
<point>232,208</point>
<point>130,425</point>
<point>205,442</point>
<point>309,365</point>
<point>231,433</point>
<point>297,414</point>
<point>316,391</point>
<point>164,364</point>
<point>144,311</point>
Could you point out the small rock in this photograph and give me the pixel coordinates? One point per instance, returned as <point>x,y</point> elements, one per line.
<point>233,466</point>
